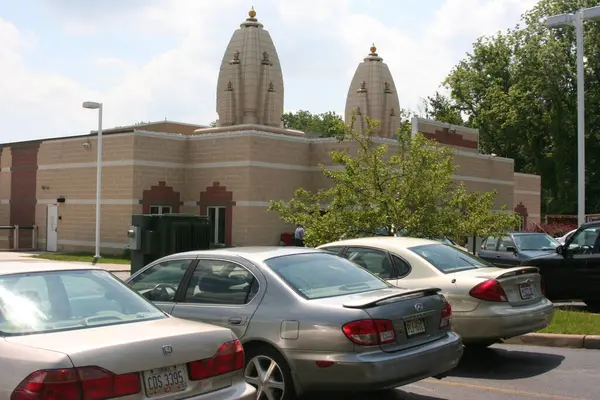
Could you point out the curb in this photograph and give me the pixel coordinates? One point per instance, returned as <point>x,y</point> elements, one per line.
<point>557,340</point>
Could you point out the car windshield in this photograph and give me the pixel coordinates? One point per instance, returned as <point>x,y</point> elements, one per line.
<point>320,275</point>
<point>535,241</point>
<point>448,259</point>
<point>53,301</point>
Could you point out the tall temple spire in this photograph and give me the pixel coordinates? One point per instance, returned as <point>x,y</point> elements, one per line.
<point>373,93</point>
<point>250,84</point>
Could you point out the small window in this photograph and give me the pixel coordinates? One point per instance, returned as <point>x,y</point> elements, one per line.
<point>376,261</point>
<point>332,249</point>
<point>161,281</point>
<point>221,282</point>
<point>217,217</point>
<point>489,244</point>
<point>448,259</point>
<point>402,266</point>
<point>159,210</point>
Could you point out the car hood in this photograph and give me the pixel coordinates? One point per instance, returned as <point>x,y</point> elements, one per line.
<point>535,253</point>
<point>542,257</point>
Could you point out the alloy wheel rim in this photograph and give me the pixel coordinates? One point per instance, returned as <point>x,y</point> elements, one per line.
<point>266,376</point>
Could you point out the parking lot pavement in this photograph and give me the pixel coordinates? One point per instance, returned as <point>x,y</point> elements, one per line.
<point>506,372</point>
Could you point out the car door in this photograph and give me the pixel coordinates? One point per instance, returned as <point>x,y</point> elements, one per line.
<point>505,256</point>
<point>160,282</point>
<point>488,249</point>
<point>582,262</point>
<point>222,292</point>
<point>376,261</point>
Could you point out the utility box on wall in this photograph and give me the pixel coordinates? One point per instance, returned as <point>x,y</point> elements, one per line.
<point>151,237</point>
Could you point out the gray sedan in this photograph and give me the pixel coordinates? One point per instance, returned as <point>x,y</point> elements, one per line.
<point>308,320</point>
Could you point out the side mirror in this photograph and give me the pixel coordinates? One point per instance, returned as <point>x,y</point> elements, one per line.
<point>560,249</point>
<point>511,249</point>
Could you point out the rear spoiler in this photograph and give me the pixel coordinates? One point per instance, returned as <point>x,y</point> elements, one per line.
<point>404,293</point>
<point>519,271</point>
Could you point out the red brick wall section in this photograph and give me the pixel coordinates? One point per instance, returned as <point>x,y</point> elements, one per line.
<point>160,195</point>
<point>23,190</point>
<point>218,196</point>
<point>454,139</point>
<point>522,211</point>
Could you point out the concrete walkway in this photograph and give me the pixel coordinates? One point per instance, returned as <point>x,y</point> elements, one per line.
<point>27,256</point>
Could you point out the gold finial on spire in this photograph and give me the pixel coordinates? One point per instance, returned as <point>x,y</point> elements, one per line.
<point>252,13</point>
<point>373,49</point>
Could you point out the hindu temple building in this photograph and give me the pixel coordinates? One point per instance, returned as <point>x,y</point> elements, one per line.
<point>229,172</point>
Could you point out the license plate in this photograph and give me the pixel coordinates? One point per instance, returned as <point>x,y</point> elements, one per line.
<point>415,326</point>
<point>171,379</point>
<point>526,291</point>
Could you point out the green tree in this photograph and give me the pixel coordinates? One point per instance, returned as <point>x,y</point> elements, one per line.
<point>329,124</point>
<point>405,187</point>
<point>441,108</point>
<point>519,89</point>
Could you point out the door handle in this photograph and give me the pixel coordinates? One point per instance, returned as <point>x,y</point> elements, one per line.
<point>235,321</point>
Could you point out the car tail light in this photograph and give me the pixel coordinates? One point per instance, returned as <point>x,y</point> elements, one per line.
<point>490,290</point>
<point>230,357</point>
<point>370,332</point>
<point>446,315</point>
<point>83,383</point>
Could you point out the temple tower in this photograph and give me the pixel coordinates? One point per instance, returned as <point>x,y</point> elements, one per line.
<point>250,84</point>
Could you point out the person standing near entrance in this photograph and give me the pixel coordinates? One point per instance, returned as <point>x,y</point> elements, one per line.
<point>299,236</point>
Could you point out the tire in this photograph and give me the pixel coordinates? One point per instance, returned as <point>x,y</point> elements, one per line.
<point>593,305</point>
<point>264,356</point>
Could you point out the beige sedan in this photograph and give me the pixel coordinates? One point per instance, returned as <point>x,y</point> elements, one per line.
<point>488,303</point>
<point>73,332</point>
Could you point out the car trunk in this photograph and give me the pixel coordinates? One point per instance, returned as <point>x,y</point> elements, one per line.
<point>522,285</point>
<point>415,314</point>
<point>133,347</point>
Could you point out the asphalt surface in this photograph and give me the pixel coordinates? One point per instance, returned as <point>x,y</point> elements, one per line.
<point>505,372</point>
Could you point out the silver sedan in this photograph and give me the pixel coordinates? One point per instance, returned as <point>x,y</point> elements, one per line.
<point>489,303</point>
<point>308,320</point>
<point>72,332</point>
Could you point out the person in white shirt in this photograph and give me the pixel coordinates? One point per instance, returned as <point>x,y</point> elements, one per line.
<point>299,236</point>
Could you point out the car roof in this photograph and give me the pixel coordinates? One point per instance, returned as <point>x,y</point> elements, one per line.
<point>387,242</point>
<point>252,253</point>
<point>23,267</point>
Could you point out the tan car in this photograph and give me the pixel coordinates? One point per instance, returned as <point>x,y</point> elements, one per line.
<point>488,303</point>
<point>73,332</point>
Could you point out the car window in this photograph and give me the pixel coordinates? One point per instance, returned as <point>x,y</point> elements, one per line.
<point>319,275</point>
<point>489,244</point>
<point>376,261</point>
<point>161,281</point>
<point>447,258</point>
<point>332,249</point>
<point>535,241</point>
<point>66,300</point>
<point>221,282</point>
<point>402,266</point>
<point>585,241</point>
<point>504,243</point>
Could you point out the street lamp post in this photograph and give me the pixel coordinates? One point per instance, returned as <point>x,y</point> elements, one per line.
<point>92,105</point>
<point>576,19</point>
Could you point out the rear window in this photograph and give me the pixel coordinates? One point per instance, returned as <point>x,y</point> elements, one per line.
<point>65,300</point>
<point>448,258</point>
<point>320,275</point>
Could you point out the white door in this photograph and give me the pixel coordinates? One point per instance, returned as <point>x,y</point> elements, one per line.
<point>52,228</point>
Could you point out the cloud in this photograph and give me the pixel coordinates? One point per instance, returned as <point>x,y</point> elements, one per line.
<point>319,42</point>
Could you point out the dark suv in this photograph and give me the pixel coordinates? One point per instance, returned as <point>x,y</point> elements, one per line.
<point>572,271</point>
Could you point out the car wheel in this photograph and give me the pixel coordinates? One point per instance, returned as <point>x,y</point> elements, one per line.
<point>593,305</point>
<point>269,373</point>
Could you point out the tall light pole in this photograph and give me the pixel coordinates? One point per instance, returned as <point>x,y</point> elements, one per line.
<point>576,19</point>
<point>92,105</point>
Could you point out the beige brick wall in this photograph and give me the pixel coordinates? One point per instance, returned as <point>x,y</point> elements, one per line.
<point>257,226</point>
<point>115,147</point>
<point>528,189</point>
